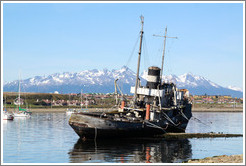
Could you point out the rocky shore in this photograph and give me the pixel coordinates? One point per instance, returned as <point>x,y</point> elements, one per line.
<point>219,159</point>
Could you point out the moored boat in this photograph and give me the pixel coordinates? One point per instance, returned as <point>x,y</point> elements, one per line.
<point>157,108</point>
<point>22,113</point>
<point>70,111</point>
<point>7,115</point>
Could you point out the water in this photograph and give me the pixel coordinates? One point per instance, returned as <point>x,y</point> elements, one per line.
<point>47,138</point>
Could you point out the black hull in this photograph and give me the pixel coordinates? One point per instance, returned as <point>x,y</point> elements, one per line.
<point>92,133</point>
<point>91,127</point>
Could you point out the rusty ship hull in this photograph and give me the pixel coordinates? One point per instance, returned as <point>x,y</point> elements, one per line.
<point>96,126</point>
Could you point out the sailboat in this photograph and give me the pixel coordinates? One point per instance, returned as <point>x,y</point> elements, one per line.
<point>70,110</point>
<point>157,108</point>
<point>86,103</point>
<point>21,112</point>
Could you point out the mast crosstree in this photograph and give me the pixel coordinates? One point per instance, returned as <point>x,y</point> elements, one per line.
<point>163,53</point>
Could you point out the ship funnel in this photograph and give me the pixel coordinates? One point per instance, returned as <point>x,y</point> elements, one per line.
<point>153,78</point>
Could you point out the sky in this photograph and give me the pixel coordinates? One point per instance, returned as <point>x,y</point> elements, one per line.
<point>46,38</point>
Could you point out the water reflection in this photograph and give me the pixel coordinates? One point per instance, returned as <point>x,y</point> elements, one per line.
<point>131,150</point>
<point>47,138</point>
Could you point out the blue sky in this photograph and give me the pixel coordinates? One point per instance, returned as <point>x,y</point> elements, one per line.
<point>47,38</point>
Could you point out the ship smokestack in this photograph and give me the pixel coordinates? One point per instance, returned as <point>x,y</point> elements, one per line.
<point>153,78</point>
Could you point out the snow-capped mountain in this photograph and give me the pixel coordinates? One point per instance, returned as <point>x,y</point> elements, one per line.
<point>235,88</point>
<point>198,85</point>
<point>102,81</point>
<point>91,77</point>
<point>185,80</point>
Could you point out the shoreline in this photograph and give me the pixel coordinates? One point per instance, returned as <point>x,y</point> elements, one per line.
<point>202,109</point>
<point>61,110</point>
<point>219,159</point>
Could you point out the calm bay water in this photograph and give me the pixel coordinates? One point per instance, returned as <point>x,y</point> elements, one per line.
<point>47,138</point>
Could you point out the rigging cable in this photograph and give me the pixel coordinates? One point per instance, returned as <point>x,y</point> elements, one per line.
<point>134,48</point>
<point>154,126</point>
<point>170,120</point>
<point>200,121</point>
<point>145,53</point>
<point>169,58</point>
<point>181,111</point>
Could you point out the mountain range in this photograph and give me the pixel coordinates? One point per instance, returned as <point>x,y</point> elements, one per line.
<point>102,81</point>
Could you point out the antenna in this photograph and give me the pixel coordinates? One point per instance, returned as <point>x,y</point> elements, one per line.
<point>142,21</point>
<point>165,36</point>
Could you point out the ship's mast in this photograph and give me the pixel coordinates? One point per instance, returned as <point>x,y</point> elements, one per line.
<point>139,57</point>
<point>163,53</point>
<point>162,62</point>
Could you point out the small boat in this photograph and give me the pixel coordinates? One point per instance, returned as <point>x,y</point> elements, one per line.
<point>7,115</point>
<point>70,111</point>
<point>157,108</point>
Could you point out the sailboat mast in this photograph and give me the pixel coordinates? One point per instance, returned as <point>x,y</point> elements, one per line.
<point>19,100</point>
<point>139,57</point>
<point>86,102</point>
<point>5,103</point>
